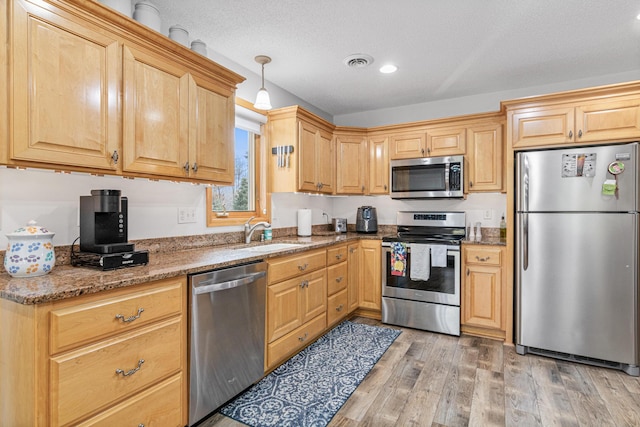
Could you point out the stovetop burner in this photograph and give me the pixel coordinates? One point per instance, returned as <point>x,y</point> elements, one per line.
<point>429,227</point>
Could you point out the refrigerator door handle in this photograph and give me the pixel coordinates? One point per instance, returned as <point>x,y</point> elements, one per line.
<point>525,182</point>
<point>525,241</point>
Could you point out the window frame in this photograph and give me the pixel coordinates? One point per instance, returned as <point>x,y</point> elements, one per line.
<point>262,202</point>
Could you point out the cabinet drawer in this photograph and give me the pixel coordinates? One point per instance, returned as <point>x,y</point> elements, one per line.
<point>290,266</point>
<point>279,350</point>
<point>86,380</point>
<point>158,406</point>
<point>336,255</point>
<point>337,278</point>
<point>337,307</point>
<point>102,317</point>
<point>483,256</point>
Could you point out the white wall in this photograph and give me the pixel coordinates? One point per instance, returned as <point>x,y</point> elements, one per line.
<point>482,103</point>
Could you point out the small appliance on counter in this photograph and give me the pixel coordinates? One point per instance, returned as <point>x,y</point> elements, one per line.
<point>339,225</point>
<point>304,222</point>
<point>103,233</point>
<point>367,220</point>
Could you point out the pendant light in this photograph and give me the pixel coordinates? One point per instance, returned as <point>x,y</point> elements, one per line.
<point>262,99</point>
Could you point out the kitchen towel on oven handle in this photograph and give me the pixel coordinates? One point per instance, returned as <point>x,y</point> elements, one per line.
<point>398,265</point>
<point>438,256</point>
<point>420,262</point>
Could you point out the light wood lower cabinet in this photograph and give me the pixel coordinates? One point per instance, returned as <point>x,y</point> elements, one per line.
<point>484,291</point>
<point>97,359</point>
<point>296,303</point>
<point>353,256</point>
<point>370,281</point>
<point>337,284</point>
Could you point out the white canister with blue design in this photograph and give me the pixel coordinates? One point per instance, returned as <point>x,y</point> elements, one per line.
<point>30,251</point>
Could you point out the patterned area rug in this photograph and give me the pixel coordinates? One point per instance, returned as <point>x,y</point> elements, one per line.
<point>309,388</point>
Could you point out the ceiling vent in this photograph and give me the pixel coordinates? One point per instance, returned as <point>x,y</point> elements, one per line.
<point>358,60</point>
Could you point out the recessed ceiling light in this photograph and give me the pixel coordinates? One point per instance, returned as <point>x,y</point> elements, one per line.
<point>388,68</point>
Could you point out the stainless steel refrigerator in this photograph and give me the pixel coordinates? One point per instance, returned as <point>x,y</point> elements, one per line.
<point>577,254</point>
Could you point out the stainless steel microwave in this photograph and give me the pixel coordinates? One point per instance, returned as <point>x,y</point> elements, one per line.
<point>426,178</point>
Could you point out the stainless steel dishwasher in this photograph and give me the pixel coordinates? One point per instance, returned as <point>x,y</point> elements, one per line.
<point>226,330</point>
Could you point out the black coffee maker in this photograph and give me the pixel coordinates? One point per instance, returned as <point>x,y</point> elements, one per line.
<point>103,223</point>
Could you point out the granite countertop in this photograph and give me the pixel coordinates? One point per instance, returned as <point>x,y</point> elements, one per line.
<point>66,281</point>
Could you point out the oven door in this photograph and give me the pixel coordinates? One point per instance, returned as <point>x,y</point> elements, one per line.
<point>442,287</point>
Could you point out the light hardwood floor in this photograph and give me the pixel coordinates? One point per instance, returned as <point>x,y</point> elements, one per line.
<point>427,379</point>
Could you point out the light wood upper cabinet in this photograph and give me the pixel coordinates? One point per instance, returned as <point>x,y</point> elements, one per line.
<point>211,151</point>
<point>446,141</point>
<point>379,165</point>
<point>155,115</point>
<point>65,83</point>
<point>580,121</point>
<point>408,145</point>
<point>484,156</point>
<point>96,92</point>
<point>351,162</point>
<point>310,167</point>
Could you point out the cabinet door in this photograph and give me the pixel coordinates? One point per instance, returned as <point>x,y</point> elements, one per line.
<point>307,171</point>
<point>351,164</point>
<point>485,158</point>
<point>313,295</point>
<point>325,160</point>
<point>608,119</point>
<point>407,146</point>
<point>283,308</point>
<point>542,126</point>
<point>353,265</point>
<point>483,297</point>
<point>446,141</point>
<point>212,151</point>
<point>370,291</point>
<point>65,91</point>
<point>155,115</point>
<point>379,165</point>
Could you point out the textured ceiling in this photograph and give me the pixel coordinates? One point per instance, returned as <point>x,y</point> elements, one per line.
<point>444,49</point>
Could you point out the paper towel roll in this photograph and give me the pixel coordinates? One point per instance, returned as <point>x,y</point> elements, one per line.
<point>304,222</point>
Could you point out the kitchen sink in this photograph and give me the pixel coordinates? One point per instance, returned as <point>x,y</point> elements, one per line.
<point>270,247</point>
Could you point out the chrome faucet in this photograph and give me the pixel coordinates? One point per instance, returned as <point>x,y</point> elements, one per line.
<point>249,229</point>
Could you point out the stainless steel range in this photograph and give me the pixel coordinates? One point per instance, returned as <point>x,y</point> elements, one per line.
<point>423,291</point>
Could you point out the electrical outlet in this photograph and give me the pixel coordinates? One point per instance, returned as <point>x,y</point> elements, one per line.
<point>488,214</point>
<point>186,215</point>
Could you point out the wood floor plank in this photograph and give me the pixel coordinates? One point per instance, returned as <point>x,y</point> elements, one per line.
<point>487,406</point>
<point>554,403</point>
<point>521,405</point>
<point>623,406</point>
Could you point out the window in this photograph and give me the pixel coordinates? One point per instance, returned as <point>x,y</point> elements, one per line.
<point>246,198</point>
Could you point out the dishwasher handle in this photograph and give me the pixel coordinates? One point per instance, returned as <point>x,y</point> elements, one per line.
<point>207,287</point>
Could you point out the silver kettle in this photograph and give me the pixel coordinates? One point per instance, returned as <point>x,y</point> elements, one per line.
<point>367,220</point>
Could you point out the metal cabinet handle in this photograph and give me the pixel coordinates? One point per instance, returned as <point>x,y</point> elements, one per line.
<point>301,339</point>
<point>186,167</point>
<point>483,259</point>
<point>428,150</point>
<point>130,318</point>
<point>385,187</point>
<point>339,279</point>
<point>339,308</point>
<point>131,371</point>
<point>467,271</point>
<point>352,250</point>
<point>470,183</point>
<point>195,167</point>
<point>303,267</point>
<point>570,134</point>
<point>363,188</point>
<point>115,157</point>
<point>304,284</point>
<point>338,256</point>
<point>422,150</point>
<point>580,133</point>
